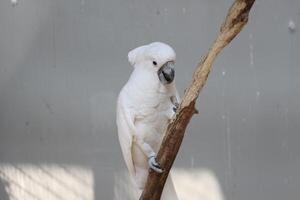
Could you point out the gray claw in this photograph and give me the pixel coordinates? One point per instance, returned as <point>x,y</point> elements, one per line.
<point>175,108</point>
<point>154,165</point>
<point>175,103</point>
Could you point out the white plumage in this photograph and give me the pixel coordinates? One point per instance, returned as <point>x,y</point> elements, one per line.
<point>145,105</point>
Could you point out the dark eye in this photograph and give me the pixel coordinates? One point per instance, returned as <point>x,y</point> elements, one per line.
<point>154,63</point>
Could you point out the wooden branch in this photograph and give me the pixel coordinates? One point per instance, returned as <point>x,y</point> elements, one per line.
<point>236,18</point>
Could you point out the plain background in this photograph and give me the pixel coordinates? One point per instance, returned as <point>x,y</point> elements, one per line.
<point>63,62</point>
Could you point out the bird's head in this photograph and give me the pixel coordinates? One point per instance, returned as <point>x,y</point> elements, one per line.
<point>157,57</point>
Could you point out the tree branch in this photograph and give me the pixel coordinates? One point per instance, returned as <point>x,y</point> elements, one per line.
<point>236,18</point>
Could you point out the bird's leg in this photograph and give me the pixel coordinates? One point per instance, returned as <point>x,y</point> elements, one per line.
<point>148,151</point>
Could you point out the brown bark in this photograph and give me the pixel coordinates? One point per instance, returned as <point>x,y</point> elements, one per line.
<point>236,18</point>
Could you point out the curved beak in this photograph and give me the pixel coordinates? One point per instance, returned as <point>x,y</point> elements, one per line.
<point>166,73</point>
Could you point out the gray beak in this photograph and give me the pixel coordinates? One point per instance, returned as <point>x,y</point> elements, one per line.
<point>166,73</point>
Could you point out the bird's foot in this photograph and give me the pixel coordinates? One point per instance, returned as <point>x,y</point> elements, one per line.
<point>175,108</point>
<point>153,164</point>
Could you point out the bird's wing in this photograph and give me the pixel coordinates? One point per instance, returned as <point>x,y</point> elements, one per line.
<point>125,123</point>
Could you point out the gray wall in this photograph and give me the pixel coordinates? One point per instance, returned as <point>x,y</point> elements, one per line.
<point>63,62</point>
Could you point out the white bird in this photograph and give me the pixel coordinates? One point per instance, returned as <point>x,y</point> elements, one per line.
<point>145,105</point>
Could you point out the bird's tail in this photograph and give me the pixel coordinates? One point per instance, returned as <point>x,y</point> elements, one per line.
<point>169,192</point>
<point>125,189</point>
<point>123,186</point>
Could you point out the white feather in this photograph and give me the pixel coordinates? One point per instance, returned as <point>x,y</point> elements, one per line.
<point>143,111</point>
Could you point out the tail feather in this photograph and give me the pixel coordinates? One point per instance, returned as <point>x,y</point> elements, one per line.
<point>169,192</point>
<point>125,188</point>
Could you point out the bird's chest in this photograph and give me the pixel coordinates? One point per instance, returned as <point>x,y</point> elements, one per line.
<point>156,116</point>
<point>152,119</point>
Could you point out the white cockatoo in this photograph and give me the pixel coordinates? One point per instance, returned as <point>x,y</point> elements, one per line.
<point>145,105</point>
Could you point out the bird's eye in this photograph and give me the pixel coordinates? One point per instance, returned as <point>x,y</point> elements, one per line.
<point>154,63</point>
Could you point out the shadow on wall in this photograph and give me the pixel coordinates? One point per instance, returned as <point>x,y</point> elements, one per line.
<point>3,189</point>
<point>46,181</point>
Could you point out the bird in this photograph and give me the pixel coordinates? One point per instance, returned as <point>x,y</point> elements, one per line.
<point>145,105</point>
